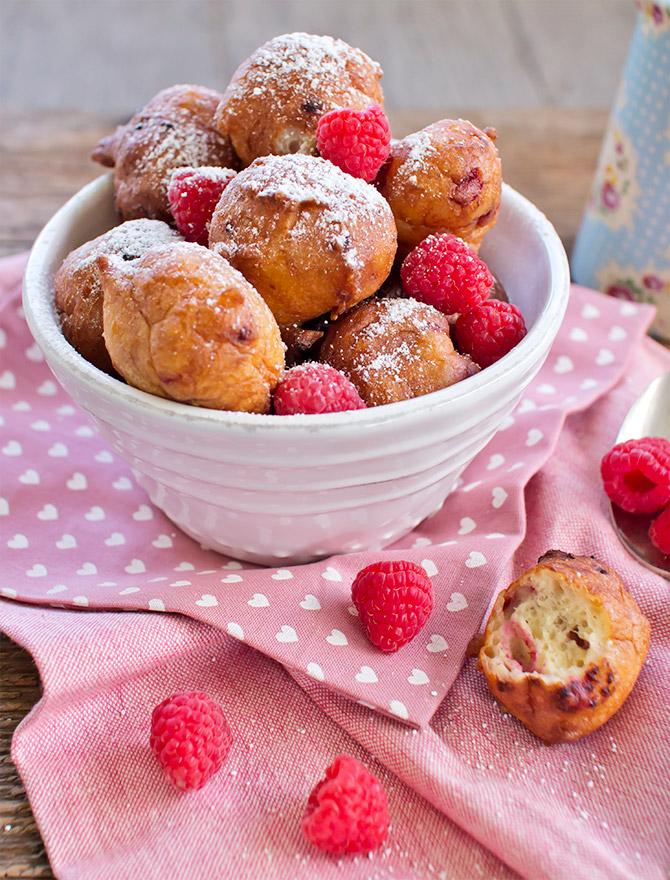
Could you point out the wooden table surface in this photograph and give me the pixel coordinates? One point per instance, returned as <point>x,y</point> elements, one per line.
<point>549,154</point>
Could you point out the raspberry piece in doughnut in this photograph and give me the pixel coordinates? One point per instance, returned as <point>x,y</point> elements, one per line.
<point>563,646</point>
<point>445,178</point>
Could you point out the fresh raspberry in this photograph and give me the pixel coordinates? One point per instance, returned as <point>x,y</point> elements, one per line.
<point>444,272</point>
<point>190,738</point>
<point>357,141</point>
<point>659,532</point>
<point>489,331</point>
<point>393,600</point>
<point>315,388</point>
<point>347,811</point>
<point>193,194</point>
<point>636,474</point>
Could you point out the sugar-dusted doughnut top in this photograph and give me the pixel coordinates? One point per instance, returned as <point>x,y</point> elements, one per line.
<point>310,238</point>
<point>175,128</point>
<point>77,287</point>
<point>445,178</point>
<point>274,101</point>
<point>395,349</point>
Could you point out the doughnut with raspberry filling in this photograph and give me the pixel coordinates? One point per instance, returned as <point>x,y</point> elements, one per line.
<point>563,646</point>
<point>445,178</point>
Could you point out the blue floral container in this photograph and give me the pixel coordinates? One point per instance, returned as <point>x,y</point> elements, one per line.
<point>623,245</point>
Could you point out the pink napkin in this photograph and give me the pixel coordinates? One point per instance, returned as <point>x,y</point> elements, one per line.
<point>81,533</point>
<point>473,794</point>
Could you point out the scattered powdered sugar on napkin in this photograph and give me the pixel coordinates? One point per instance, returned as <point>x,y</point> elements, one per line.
<point>80,533</point>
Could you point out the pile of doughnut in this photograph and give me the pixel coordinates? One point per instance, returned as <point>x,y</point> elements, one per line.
<point>300,260</point>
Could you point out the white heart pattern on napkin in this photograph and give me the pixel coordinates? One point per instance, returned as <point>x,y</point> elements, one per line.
<point>367,675</point>
<point>337,637</point>
<point>437,644</point>
<point>457,602</point>
<point>418,676</point>
<point>286,634</point>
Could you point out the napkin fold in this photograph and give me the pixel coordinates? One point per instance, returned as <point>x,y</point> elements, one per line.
<point>83,534</point>
<point>472,794</point>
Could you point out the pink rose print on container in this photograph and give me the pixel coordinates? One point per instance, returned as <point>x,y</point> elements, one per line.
<point>645,285</point>
<point>615,200</point>
<point>609,196</point>
<point>653,16</point>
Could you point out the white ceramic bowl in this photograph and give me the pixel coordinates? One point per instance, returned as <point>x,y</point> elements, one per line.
<point>284,490</point>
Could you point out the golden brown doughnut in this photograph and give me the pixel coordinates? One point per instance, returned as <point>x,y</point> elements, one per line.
<point>174,129</point>
<point>445,178</point>
<point>394,349</point>
<point>563,646</point>
<point>78,292</point>
<point>276,97</point>
<point>309,237</point>
<point>181,323</point>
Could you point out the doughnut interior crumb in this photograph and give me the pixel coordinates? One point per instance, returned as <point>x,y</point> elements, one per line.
<point>549,629</point>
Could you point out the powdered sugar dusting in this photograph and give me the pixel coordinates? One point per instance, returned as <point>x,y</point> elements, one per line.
<point>292,59</point>
<point>129,240</point>
<point>398,322</point>
<point>213,173</point>
<point>173,146</point>
<point>424,150</point>
<point>421,155</point>
<point>330,201</point>
<point>392,313</point>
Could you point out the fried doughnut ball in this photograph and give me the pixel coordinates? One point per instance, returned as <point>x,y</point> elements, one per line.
<point>174,129</point>
<point>78,292</point>
<point>563,646</point>
<point>395,349</point>
<point>181,323</point>
<point>276,97</point>
<point>445,178</point>
<point>310,237</point>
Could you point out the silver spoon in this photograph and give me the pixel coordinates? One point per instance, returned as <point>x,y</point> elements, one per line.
<point>649,416</point>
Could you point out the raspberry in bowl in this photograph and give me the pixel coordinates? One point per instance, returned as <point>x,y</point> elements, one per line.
<point>287,489</point>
